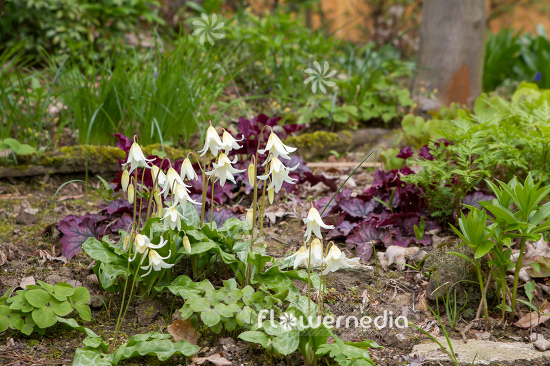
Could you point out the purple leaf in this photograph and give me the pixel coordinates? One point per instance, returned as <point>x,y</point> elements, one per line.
<point>357,207</point>
<point>345,227</point>
<point>220,216</point>
<point>316,179</point>
<point>473,198</point>
<point>425,153</point>
<point>122,223</point>
<point>76,230</point>
<point>405,153</point>
<point>362,236</point>
<point>124,143</point>
<point>292,128</point>
<point>322,202</point>
<point>117,206</point>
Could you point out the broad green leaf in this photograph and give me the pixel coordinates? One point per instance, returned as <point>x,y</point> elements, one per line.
<point>109,272</point>
<point>210,318</point>
<point>81,295</point>
<point>163,349</point>
<point>46,286</point>
<point>84,311</point>
<point>255,336</point>
<point>484,248</point>
<point>286,343</point>
<point>44,317</point>
<point>87,357</point>
<point>198,304</point>
<point>60,308</point>
<point>98,251</point>
<point>37,298</point>
<point>63,289</point>
<point>73,324</point>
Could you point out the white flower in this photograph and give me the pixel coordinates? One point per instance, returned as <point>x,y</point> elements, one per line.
<point>250,216</point>
<point>173,179</point>
<point>336,259</point>
<point>251,174</point>
<point>316,252</point>
<point>125,180</point>
<point>276,147</point>
<point>131,193</point>
<point>212,143</point>
<point>143,243</point>
<point>181,195</point>
<point>279,174</point>
<point>136,158</point>
<point>225,169</point>
<point>158,176</point>
<point>314,223</point>
<point>187,170</point>
<point>300,257</point>
<point>186,244</point>
<point>172,218</point>
<point>229,143</point>
<point>271,195</point>
<point>208,28</point>
<point>156,262</point>
<point>319,76</point>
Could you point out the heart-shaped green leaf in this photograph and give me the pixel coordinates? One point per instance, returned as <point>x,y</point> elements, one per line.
<point>44,317</point>
<point>60,308</point>
<point>38,298</point>
<point>63,289</point>
<point>84,311</point>
<point>210,318</point>
<point>199,304</point>
<point>81,295</point>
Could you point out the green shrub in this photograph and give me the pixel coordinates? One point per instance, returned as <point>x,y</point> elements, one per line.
<point>84,27</point>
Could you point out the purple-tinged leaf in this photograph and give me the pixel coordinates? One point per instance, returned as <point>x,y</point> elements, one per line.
<point>362,236</point>
<point>425,153</point>
<point>117,206</point>
<point>445,142</point>
<point>292,128</point>
<point>322,202</point>
<point>76,230</point>
<point>124,143</point>
<point>220,216</point>
<point>345,226</point>
<point>357,207</point>
<point>122,223</point>
<point>334,219</point>
<point>316,179</point>
<point>405,153</point>
<point>473,198</point>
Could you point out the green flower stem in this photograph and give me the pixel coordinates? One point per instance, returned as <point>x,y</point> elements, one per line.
<point>516,278</point>
<point>204,187</point>
<point>212,203</point>
<point>262,210</point>
<point>309,282</point>
<point>483,295</point>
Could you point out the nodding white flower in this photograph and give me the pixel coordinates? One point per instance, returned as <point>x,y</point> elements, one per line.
<point>186,244</point>
<point>229,143</point>
<point>314,223</point>
<point>181,196</point>
<point>300,257</point>
<point>125,180</point>
<point>158,201</point>
<point>156,262</point>
<point>271,195</point>
<point>225,169</point>
<point>316,252</point>
<point>250,217</point>
<point>212,143</point>
<point>279,174</point>
<point>158,176</point>
<point>131,193</point>
<point>172,218</point>
<point>126,242</point>
<point>336,259</point>
<point>136,158</point>
<point>143,243</point>
<point>172,180</point>
<point>276,147</point>
<point>251,174</point>
<point>187,170</point>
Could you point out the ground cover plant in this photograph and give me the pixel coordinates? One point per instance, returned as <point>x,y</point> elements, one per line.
<point>210,235</point>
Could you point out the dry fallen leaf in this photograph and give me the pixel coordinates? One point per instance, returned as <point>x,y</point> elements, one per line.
<point>47,256</point>
<point>183,329</point>
<point>532,319</point>
<point>27,281</point>
<point>216,359</point>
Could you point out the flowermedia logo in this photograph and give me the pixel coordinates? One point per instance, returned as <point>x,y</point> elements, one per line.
<point>208,28</point>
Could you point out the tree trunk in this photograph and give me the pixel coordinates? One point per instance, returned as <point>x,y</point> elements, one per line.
<point>450,58</point>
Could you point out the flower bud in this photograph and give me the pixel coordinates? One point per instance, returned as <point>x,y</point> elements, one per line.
<point>251,175</point>
<point>250,217</point>
<point>125,180</point>
<point>131,193</point>
<point>271,195</point>
<point>126,242</point>
<point>187,244</point>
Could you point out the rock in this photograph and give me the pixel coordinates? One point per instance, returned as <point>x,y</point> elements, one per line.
<point>448,269</point>
<point>96,302</point>
<point>539,342</point>
<point>25,218</point>
<point>485,352</point>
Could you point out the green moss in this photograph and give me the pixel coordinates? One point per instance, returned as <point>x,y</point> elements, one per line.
<point>172,153</point>
<point>315,139</point>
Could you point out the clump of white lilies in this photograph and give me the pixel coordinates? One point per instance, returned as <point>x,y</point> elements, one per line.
<point>170,195</point>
